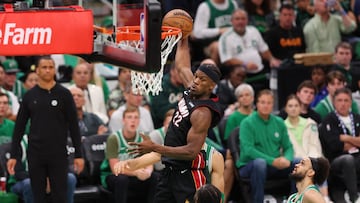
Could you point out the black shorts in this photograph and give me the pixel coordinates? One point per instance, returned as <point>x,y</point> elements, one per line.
<point>178,185</point>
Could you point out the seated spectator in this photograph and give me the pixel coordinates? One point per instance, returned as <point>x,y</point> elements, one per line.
<point>304,135</point>
<point>212,19</point>
<point>13,100</point>
<point>142,181</point>
<point>6,125</point>
<point>94,97</point>
<point>304,12</point>
<point>286,39</point>
<point>168,98</point>
<point>305,92</point>
<point>132,100</point>
<point>30,79</point>
<point>339,135</point>
<point>241,45</point>
<point>99,81</point>
<point>116,97</point>
<point>262,135</point>
<point>11,82</point>
<point>323,31</point>
<point>226,88</point>
<point>342,57</point>
<point>22,185</point>
<point>89,123</point>
<point>318,75</point>
<point>334,80</point>
<point>245,105</point>
<point>260,14</point>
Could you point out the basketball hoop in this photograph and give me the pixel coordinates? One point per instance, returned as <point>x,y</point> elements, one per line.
<point>128,38</point>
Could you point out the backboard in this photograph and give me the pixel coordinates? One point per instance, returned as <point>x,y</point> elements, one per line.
<point>147,60</point>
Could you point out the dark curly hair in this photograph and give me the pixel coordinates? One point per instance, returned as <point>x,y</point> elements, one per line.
<point>321,167</point>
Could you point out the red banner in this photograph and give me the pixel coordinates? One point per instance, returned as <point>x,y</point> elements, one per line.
<point>38,32</point>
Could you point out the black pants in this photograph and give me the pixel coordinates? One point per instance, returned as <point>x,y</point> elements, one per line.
<point>56,168</point>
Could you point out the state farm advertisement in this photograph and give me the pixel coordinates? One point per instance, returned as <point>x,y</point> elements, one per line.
<point>46,32</point>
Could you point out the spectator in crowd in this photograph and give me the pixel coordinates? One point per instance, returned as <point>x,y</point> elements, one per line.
<point>13,100</point>
<point>285,39</point>
<point>243,45</point>
<point>356,93</point>
<point>245,105</point>
<point>168,98</point>
<point>89,123</point>
<point>29,79</point>
<point>132,100</point>
<point>318,75</point>
<point>208,194</point>
<point>305,92</point>
<point>11,82</point>
<point>262,135</point>
<point>307,174</point>
<point>323,31</point>
<point>260,14</point>
<point>226,88</point>
<point>304,12</point>
<point>138,181</point>
<point>334,80</point>
<point>6,125</point>
<point>339,135</point>
<point>99,81</point>
<point>116,97</point>
<point>94,97</point>
<point>304,135</point>
<point>212,19</point>
<point>342,57</point>
<point>22,186</point>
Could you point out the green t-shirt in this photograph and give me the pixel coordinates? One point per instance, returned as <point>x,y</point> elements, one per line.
<point>298,130</point>
<point>6,131</point>
<point>233,121</point>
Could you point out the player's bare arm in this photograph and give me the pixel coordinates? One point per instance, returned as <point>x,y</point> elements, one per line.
<point>195,138</point>
<point>312,196</point>
<point>182,62</point>
<point>217,174</point>
<point>137,163</point>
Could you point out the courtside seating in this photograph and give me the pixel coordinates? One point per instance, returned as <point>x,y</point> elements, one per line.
<point>278,187</point>
<point>88,188</point>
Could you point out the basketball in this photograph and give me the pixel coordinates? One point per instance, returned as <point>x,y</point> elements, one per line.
<point>180,19</point>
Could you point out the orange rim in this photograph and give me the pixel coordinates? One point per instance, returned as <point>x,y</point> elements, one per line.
<point>133,32</point>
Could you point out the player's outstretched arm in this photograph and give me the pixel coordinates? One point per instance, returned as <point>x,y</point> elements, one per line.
<point>183,62</point>
<point>137,163</point>
<point>195,139</point>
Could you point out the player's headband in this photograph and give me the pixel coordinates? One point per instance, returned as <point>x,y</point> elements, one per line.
<point>206,68</point>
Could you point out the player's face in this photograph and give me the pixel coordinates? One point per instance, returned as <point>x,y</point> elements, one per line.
<point>286,18</point>
<point>46,70</point>
<point>292,108</point>
<point>131,121</point>
<point>4,106</point>
<point>246,98</point>
<point>342,104</point>
<point>265,104</point>
<point>343,56</point>
<point>239,20</point>
<point>81,75</point>
<point>202,85</point>
<point>301,169</point>
<point>306,95</point>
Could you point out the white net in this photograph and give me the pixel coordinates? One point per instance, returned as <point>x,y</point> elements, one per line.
<point>150,83</point>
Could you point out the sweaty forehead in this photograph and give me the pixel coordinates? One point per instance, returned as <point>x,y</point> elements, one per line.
<point>199,73</point>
